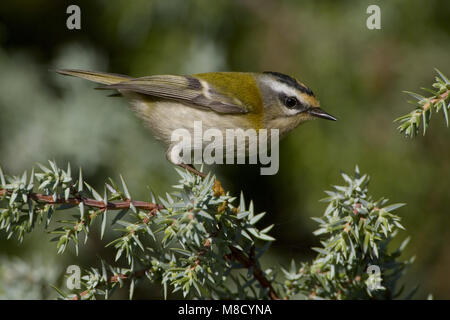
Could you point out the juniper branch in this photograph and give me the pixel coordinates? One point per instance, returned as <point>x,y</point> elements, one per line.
<point>98,204</point>
<point>224,233</point>
<point>196,240</point>
<point>410,123</point>
<point>251,263</point>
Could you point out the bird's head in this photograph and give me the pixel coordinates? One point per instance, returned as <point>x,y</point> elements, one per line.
<point>288,102</point>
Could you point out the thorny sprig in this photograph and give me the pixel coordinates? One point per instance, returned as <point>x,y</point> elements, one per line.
<point>197,242</point>
<point>356,231</point>
<point>56,190</point>
<point>439,100</point>
<point>194,241</point>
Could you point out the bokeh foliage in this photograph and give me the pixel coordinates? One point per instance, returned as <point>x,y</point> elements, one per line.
<point>358,74</point>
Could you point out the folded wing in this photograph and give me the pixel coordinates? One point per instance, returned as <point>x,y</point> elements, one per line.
<point>189,89</point>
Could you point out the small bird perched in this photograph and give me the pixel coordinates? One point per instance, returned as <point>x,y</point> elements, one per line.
<point>221,100</point>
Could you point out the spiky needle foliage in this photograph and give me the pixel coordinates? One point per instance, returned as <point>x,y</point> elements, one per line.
<point>197,241</point>
<point>356,231</point>
<point>439,100</point>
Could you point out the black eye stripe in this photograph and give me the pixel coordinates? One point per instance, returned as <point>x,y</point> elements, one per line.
<point>291,102</point>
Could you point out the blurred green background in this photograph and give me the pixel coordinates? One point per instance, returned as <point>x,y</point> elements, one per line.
<point>358,75</point>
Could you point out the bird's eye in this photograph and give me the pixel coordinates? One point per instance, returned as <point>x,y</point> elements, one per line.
<point>291,102</point>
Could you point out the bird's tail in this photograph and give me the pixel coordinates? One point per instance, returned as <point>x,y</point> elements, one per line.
<point>99,77</point>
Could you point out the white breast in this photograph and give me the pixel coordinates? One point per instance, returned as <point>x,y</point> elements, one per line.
<point>165,117</point>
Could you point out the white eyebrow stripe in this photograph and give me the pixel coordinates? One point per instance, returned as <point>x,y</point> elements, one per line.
<point>283,88</point>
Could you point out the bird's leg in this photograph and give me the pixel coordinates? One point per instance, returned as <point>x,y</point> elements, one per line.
<point>175,159</point>
<point>191,168</point>
<point>217,187</point>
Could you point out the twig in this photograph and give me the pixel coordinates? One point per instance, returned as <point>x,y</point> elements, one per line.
<point>115,205</point>
<point>431,101</point>
<point>247,262</point>
<point>237,255</point>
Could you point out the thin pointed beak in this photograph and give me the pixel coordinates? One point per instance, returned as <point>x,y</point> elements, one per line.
<point>317,112</point>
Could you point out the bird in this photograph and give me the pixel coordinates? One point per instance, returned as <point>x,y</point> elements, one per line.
<point>220,100</point>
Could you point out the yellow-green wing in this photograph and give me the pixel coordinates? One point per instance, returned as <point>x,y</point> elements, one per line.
<point>190,89</point>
